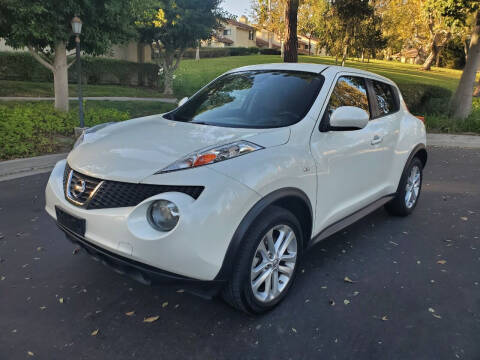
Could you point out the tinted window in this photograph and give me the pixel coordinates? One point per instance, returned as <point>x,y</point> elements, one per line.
<point>385,99</point>
<point>349,91</point>
<point>252,99</point>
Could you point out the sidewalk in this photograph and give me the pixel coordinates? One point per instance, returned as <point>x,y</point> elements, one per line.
<point>13,169</point>
<point>96,98</point>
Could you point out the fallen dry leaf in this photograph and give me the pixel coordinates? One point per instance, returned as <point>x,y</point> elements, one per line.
<point>30,353</point>
<point>94,332</point>
<point>76,251</point>
<point>60,300</point>
<point>2,278</point>
<point>180,291</point>
<point>151,319</point>
<point>130,313</point>
<point>43,307</point>
<point>294,330</point>
<point>165,304</point>
<point>384,318</point>
<point>432,310</point>
<point>436,316</point>
<point>39,248</point>
<point>346,302</point>
<point>347,279</point>
<point>355,293</point>
<point>464,218</point>
<point>441,262</point>
<point>331,302</point>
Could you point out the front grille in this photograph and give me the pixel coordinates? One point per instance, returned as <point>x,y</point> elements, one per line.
<point>114,194</point>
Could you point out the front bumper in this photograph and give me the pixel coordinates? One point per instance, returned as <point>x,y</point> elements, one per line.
<point>145,274</point>
<point>193,250</point>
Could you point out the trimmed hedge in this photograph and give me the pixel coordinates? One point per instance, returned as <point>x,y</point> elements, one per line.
<point>220,52</point>
<point>270,51</point>
<point>95,70</point>
<point>30,129</point>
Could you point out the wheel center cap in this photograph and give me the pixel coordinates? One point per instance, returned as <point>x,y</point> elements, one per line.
<point>275,263</point>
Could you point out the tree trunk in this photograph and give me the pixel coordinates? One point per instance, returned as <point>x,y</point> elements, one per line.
<point>363,55</point>
<point>461,104</point>
<point>197,53</point>
<point>60,77</point>
<point>345,53</point>
<point>291,44</point>
<point>437,60</point>
<point>431,58</point>
<point>309,46</point>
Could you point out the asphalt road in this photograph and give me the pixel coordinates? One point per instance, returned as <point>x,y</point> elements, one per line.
<point>415,295</point>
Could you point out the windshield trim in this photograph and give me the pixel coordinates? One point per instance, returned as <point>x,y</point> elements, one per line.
<point>170,115</point>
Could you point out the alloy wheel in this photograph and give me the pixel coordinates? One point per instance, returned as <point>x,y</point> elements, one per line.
<point>412,188</point>
<point>274,263</point>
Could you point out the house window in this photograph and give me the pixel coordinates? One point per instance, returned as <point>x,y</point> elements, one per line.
<point>306,47</point>
<point>227,32</point>
<point>250,35</point>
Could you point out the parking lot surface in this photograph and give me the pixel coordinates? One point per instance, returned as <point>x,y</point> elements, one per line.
<point>415,290</point>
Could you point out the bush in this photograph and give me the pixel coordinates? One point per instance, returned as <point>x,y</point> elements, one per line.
<point>220,52</point>
<point>442,123</point>
<point>425,99</point>
<point>33,129</point>
<point>22,66</point>
<point>270,52</point>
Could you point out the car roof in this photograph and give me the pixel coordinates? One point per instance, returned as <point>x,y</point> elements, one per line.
<point>313,68</point>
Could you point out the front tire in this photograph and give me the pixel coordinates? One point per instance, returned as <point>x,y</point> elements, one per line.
<point>267,262</point>
<point>408,191</point>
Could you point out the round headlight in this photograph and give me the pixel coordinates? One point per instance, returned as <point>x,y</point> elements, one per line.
<point>163,215</point>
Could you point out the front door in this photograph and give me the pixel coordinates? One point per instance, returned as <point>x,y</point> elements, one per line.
<point>350,163</point>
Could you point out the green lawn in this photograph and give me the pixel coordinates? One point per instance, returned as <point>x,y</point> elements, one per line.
<point>192,74</point>
<point>44,89</point>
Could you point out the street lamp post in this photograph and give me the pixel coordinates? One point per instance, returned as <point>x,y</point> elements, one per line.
<point>77,30</point>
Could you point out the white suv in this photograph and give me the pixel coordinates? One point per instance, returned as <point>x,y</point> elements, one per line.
<point>227,191</point>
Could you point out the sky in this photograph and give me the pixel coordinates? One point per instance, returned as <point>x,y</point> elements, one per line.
<point>237,7</point>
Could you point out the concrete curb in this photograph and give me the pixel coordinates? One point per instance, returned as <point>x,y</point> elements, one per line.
<point>96,98</point>
<point>13,169</point>
<point>458,141</point>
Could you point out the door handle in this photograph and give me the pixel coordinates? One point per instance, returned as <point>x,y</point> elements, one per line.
<point>376,140</point>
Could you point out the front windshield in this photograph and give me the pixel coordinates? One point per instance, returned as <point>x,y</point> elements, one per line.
<point>252,99</point>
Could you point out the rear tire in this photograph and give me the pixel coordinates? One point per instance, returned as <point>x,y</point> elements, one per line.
<point>408,191</point>
<point>266,263</point>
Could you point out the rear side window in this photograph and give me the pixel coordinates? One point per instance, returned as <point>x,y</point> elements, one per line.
<point>349,91</point>
<point>385,98</point>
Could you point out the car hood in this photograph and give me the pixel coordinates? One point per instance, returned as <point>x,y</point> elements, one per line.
<point>132,150</point>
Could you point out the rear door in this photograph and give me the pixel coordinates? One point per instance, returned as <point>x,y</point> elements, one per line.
<point>385,128</point>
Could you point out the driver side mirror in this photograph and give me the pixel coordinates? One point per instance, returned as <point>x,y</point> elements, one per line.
<point>348,117</point>
<point>183,101</point>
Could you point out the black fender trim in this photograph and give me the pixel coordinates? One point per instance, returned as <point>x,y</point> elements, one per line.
<point>252,215</point>
<point>414,152</point>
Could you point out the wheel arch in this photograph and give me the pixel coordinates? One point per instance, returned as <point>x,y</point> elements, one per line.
<point>292,199</point>
<point>419,151</point>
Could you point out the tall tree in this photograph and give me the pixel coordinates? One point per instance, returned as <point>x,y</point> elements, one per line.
<point>290,53</point>
<point>461,105</point>
<point>175,25</point>
<point>43,26</point>
<point>310,18</point>
<point>351,13</point>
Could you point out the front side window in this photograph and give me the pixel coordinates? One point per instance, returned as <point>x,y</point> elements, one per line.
<point>227,32</point>
<point>252,99</point>
<point>385,99</point>
<point>349,91</point>
<point>250,35</point>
